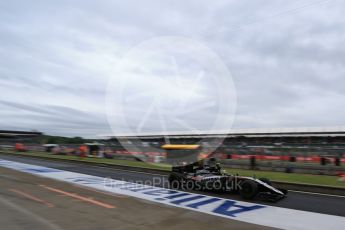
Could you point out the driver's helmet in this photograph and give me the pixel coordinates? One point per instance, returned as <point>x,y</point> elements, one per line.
<point>212,162</point>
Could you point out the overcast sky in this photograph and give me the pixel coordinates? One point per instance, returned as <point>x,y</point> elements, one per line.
<point>286,59</point>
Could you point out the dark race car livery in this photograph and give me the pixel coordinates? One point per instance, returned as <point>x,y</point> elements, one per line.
<point>214,179</point>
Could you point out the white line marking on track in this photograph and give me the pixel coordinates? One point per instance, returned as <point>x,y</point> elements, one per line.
<point>315,193</point>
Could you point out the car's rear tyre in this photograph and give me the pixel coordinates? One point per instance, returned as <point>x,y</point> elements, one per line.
<point>265,180</point>
<point>190,185</point>
<point>249,189</point>
<point>174,182</point>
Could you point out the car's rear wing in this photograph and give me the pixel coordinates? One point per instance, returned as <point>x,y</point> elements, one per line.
<point>181,155</point>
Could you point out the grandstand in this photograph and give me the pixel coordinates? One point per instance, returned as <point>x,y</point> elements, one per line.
<point>300,148</point>
<point>326,139</point>
<point>10,136</point>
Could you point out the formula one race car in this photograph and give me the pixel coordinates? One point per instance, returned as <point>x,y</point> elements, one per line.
<point>213,178</point>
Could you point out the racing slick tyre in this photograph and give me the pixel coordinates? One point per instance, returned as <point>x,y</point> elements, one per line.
<point>190,185</point>
<point>174,182</point>
<point>249,189</point>
<point>265,180</point>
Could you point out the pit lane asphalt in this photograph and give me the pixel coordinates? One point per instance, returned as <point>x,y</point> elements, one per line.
<point>33,202</point>
<point>331,205</point>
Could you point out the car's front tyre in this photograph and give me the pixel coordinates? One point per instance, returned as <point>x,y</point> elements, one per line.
<point>249,189</point>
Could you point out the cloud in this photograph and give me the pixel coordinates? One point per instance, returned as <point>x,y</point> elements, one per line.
<point>286,60</point>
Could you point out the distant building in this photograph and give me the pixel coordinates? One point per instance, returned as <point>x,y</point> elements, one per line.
<point>11,136</point>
